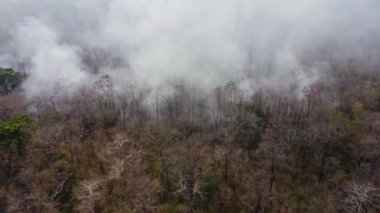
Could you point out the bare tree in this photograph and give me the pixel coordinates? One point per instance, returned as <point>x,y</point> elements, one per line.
<point>87,193</point>
<point>221,160</point>
<point>124,101</point>
<point>361,198</point>
<point>138,112</point>
<point>189,188</point>
<point>106,103</point>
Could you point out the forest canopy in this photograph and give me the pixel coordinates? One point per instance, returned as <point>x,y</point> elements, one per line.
<point>190,106</point>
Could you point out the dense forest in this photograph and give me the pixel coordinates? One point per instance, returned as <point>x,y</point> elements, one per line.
<point>212,106</point>
<point>102,149</point>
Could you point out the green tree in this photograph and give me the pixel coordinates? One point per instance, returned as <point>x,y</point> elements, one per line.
<point>12,138</point>
<point>250,126</point>
<point>11,132</point>
<point>10,79</point>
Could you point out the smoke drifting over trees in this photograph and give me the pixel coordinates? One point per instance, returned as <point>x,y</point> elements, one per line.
<point>190,106</point>
<point>208,42</point>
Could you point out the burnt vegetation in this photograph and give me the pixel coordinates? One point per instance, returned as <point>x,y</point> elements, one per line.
<point>102,149</point>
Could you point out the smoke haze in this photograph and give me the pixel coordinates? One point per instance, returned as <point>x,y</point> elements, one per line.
<point>203,42</point>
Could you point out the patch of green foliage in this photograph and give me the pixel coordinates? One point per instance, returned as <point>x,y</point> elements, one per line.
<point>209,188</point>
<point>12,132</point>
<point>171,205</point>
<point>10,79</point>
<point>251,122</point>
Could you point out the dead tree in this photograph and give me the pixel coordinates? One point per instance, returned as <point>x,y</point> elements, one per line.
<point>361,198</point>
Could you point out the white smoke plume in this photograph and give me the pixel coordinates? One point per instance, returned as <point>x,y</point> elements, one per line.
<point>203,42</point>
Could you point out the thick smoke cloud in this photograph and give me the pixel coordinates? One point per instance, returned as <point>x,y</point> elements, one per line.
<point>204,42</point>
